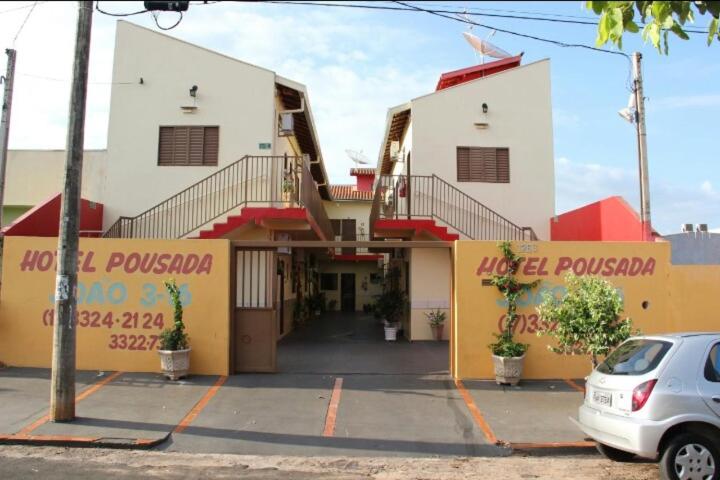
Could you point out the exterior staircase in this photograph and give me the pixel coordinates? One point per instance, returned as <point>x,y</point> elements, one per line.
<point>427,203</point>
<point>226,197</point>
<point>251,217</point>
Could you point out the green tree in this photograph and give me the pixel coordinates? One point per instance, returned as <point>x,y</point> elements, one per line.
<point>586,321</point>
<point>659,19</point>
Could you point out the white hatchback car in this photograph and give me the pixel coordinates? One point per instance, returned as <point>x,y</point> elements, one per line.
<point>659,396</point>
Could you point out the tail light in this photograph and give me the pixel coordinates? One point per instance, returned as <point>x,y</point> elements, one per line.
<point>641,393</point>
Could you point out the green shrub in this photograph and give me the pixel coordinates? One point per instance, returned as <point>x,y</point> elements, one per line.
<point>174,338</point>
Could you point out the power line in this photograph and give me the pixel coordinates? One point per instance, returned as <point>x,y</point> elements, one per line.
<point>111,14</point>
<point>510,32</point>
<point>24,22</point>
<point>409,8</point>
<point>20,8</point>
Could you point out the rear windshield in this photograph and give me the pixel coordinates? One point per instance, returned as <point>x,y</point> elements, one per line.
<point>635,357</point>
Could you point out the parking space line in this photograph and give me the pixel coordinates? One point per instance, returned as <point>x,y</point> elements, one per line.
<point>25,432</point>
<point>331,416</point>
<point>574,385</point>
<point>476,414</point>
<point>200,405</point>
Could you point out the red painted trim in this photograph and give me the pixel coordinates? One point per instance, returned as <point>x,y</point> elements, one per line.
<point>457,77</point>
<point>415,227</point>
<point>358,258</point>
<point>257,215</point>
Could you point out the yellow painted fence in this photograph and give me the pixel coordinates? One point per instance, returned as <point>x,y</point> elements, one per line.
<point>122,303</point>
<point>658,296</point>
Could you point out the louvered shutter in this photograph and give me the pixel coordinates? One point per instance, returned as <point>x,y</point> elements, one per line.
<point>503,165</point>
<point>165,146</point>
<point>483,164</point>
<point>196,141</point>
<point>210,150</point>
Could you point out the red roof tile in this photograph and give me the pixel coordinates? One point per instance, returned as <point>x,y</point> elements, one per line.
<point>349,192</point>
<point>362,171</point>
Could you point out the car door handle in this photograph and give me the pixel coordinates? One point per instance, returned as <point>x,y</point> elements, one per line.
<point>716,398</point>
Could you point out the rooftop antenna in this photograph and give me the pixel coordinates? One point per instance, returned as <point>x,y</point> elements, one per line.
<point>484,47</point>
<point>358,158</point>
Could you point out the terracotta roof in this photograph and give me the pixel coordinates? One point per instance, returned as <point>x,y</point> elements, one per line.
<point>396,128</point>
<point>362,171</point>
<point>457,77</point>
<point>349,192</point>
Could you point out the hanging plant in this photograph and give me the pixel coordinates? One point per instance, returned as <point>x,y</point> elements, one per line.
<point>511,289</point>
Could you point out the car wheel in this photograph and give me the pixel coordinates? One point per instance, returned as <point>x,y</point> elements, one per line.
<point>690,456</point>
<point>614,454</point>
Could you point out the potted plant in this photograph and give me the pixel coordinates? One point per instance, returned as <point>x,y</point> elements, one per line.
<point>437,322</point>
<point>507,354</point>
<point>390,306</point>
<point>288,190</point>
<point>174,347</point>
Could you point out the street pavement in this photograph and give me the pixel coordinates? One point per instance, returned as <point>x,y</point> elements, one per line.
<point>342,391</point>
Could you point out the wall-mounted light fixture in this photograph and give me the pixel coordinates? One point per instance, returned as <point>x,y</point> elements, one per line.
<point>193,91</point>
<point>485,107</point>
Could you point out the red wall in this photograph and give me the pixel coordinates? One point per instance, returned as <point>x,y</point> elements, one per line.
<point>611,219</point>
<point>364,182</point>
<point>43,220</point>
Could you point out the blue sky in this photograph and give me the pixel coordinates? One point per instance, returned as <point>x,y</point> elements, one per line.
<point>357,63</point>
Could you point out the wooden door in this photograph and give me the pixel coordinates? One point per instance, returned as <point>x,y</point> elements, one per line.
<point>348,234</point>
<point>347,292</point>
<point>255,321</point>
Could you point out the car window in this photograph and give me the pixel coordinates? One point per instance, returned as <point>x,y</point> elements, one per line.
<point>712,365</point>
<point>635,357</point>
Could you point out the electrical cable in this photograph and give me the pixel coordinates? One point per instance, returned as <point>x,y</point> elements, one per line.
<point>24,22</point>
<point>23,7</point>
<point>97,7</point>
<point>410,8</point>
<point>510,32</point>
<point>155,17</point>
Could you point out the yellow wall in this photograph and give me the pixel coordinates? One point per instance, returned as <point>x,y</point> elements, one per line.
<point>116,307</point>
<point>362,271</point>
<point>478,309</point>
<point>694,293</point>
<point>430,275</point>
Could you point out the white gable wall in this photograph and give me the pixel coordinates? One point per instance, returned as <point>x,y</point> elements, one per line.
<point>236,96</point>
<point>519,117</point>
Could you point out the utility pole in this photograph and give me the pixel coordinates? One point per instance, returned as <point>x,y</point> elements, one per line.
<point>642,147</point>
<point>62,390</point>
<point>8,80</point>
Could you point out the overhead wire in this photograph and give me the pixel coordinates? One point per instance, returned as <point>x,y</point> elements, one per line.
<point>24,22</point>
<point>409,8</point>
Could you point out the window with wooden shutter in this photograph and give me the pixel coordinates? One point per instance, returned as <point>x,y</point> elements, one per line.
<point>188,146</point>
<point>483,164</point>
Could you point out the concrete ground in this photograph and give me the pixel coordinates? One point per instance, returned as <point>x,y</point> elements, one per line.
<point>341,391</point>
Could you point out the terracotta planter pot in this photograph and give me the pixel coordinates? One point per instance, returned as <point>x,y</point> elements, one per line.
<point>437,331</point>
<point>508,370</point>
<point>175,363</point>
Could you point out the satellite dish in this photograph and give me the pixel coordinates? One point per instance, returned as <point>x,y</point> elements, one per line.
<point>629,112</point>
<point>484,47</point>
<point>358,158</point>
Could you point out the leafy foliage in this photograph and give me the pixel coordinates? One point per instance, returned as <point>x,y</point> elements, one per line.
<point>436,317</point>
<point>174,338</point>
<point>587,318</point>
<point>507,284</point>
<point>660,18</point>
<point>391,305</point>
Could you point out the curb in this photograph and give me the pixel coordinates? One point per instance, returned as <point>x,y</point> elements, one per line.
<point>553,448</point>
<point>83,442</point>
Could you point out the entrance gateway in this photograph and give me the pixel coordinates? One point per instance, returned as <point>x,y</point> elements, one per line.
<point>261,310</point>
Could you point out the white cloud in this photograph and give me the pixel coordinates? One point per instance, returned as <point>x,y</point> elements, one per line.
<point>671,205</point>
<point>711,100</point>
<point>328,51</point>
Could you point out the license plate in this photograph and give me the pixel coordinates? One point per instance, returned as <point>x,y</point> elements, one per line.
<point>602,398</point>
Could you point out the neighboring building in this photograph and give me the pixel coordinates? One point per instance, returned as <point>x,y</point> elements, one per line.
<point>698,247</point>
<point>611,219</point>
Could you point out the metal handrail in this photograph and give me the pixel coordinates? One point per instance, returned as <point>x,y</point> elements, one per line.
<point>251,179</point>
<point>429,196</point>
